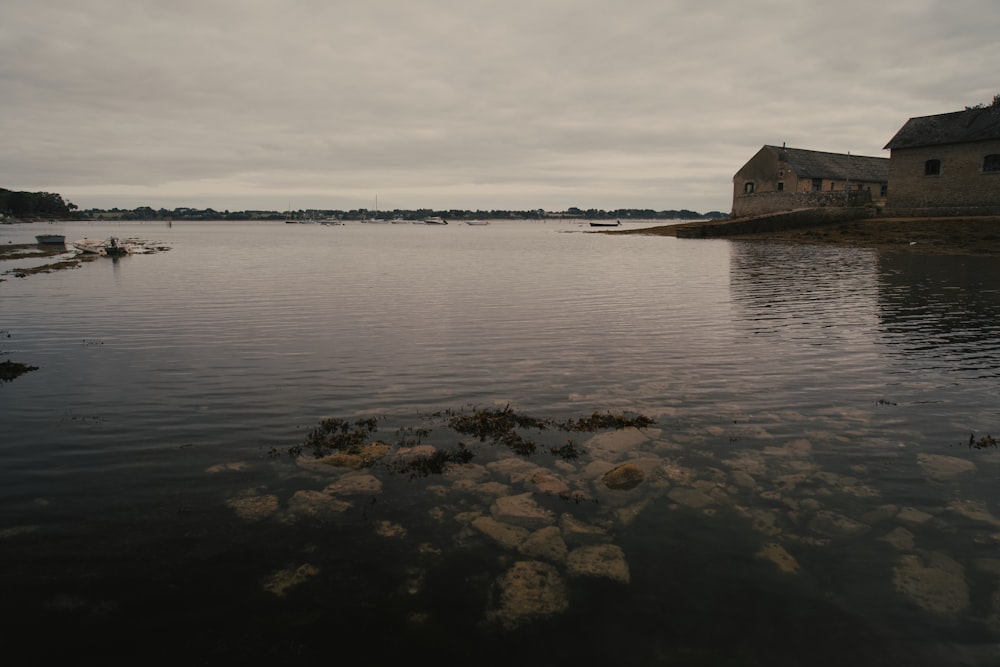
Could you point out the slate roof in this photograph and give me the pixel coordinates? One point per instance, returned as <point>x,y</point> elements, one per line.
<point>949,128</point>
<point>837,166</point>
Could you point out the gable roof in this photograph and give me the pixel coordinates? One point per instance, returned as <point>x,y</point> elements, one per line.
<point>837,166</point>
<point>948,128</point>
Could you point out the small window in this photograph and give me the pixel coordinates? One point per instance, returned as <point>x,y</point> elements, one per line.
<point>932,168</point>
<point>781,186</point>
<point>748,188</point>
<point>883,190</point>
<point>991,163</point>
<point>817,184</point>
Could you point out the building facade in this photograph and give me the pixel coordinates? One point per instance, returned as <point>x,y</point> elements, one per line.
<point>947,161</point>
<point>778,178</point>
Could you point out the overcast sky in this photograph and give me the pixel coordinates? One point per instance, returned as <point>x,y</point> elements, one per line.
<point>469,104</point>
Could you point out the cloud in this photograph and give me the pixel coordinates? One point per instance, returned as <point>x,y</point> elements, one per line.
<point>475,104</point>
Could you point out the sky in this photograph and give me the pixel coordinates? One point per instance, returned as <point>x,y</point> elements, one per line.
<point>463,104</point>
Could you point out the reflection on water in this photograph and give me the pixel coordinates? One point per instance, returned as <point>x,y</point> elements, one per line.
<point>805,496</point>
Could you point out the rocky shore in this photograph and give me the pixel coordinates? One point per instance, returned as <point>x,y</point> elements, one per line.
<point>957,236</point>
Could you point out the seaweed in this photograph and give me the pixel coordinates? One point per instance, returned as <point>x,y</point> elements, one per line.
<point>983,442</point>
<point>499,427</point>
<point>10,370</point>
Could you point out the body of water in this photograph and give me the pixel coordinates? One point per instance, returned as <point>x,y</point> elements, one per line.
<point>805,494</point>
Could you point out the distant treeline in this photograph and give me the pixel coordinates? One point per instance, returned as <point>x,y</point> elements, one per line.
<point>34,205</point>
<point>147,213</point>
<point>48,205</point>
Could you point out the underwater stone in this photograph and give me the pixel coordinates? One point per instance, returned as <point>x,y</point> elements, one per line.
<point>624,477</point>
<point>504,534</point>
<point>938,467</point>
<point>692,498</point>
<point>975,511</point>
<point>575,531</point>
<point>777,554</point>
<point>900,538</point>
<point>355,484</point>
<point>832,524</point>
<point>600,560</point>
<point>545,544</point>
<point>545,482</point>
<point>316,505</point>
<point>521,510</point>
<point>253,506</point>
<point>615,444</point>
<point>935,582</point>
<point>280,581</point>
<point>528,591</point>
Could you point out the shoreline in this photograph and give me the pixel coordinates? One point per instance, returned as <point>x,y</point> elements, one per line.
<point>967,235</point>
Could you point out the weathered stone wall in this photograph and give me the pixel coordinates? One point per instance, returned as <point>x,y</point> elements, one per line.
<point>777,221</point>
<point>961,183</point>
<point>941,212</point>
<point>761,203</point>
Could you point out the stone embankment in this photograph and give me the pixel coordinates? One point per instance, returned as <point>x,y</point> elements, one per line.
<point>772,222</point>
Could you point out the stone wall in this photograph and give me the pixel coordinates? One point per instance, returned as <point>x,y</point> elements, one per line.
<point>761,203</point>
<point>941,212</point>
<point>961,183</point>
<point>777,221</point>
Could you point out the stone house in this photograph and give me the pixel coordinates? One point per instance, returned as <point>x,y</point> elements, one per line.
<point>949,162</point>
<point>778,178</point>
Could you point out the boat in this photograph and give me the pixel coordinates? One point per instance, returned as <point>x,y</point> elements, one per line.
<point>616,223</point>
<point>434,220</point>
<point>477,222</point>
<point>109,247</point>
<point>51,238</point>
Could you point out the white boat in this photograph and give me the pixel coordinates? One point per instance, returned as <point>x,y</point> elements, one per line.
<point>477,222</point>
<point>51,238</point>
<point>109,247</point>
<point>434,220</point>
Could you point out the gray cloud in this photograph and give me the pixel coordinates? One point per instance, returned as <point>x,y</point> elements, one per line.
<point>471,104</point>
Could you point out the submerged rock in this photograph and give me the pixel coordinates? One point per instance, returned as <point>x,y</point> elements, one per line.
<point>777,554</point>
<point>506,535</point>
<point>280,581</point>
<point>252,505</point>
<point>933,582</point>
<point>900,538</point>
<point>521,510</point>
<point>545,544</point>
<point>355,484</point>
<point>624,477</point>
<point>577,532</point>
<point>316,505</point>
<point>938,467</point>
<point>528,591</point>
<point>600,560</point>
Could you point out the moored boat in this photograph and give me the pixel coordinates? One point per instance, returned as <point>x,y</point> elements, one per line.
<point>434,220</point>
<point>616,223</point>
<point>51,238</point>
<point>109,247</point>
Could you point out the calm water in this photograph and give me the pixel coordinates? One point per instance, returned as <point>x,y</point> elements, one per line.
<point>808,492</point>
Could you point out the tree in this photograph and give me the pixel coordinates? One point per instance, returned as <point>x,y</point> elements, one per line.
<point>995,104</point>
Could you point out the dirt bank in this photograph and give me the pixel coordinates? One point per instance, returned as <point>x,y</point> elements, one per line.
<point>969,235</point>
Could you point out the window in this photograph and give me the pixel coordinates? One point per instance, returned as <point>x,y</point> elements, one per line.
<point>748,188</point>
<point>991,163</point>
<point>932,168</point>
<point>781,186</point>
<point>817,184</point>
<point>883,190</point>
